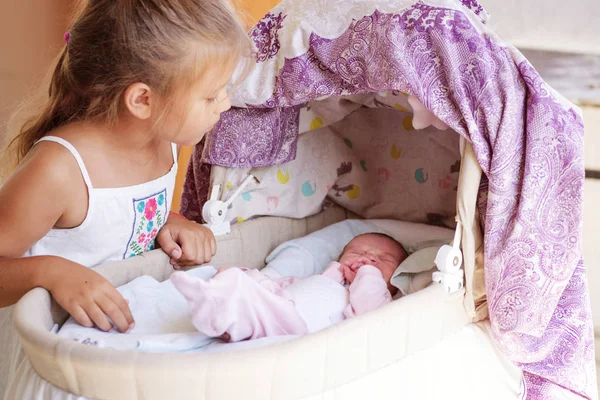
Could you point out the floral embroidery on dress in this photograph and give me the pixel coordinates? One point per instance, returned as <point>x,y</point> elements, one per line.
<point>150,215</point>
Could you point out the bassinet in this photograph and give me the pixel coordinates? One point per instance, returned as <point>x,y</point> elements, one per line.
<point>523,136</point>
<point>393,349</point>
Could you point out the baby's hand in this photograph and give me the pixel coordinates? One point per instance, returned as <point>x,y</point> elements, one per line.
<point>186,242</point>
<point>349,272</point>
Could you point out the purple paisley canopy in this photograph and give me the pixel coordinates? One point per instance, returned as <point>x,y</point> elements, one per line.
<point>527,139</point>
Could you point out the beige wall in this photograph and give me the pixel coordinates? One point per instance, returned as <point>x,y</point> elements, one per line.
<point>258,8</point>
<point>31,34</point>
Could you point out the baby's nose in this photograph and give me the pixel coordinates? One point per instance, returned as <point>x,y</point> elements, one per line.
<point>363,259</point>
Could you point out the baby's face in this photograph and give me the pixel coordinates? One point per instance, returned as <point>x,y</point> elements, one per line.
<point>376,250</point>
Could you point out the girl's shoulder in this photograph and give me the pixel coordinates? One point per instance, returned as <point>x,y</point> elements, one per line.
<point>56,156</point>
<point>51,169</point>
<point>73,150</point>
<point>49,160</point>
<point>45,191</point>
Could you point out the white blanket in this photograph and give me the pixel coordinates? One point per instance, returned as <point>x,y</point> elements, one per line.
<point>162,322</point>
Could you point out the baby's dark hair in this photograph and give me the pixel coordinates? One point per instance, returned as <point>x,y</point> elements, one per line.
<point>405,253</point>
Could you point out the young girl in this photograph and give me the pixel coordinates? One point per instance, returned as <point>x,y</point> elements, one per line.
<point>97,163</point>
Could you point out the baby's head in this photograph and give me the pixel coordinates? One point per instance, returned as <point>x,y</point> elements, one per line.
<point>376,249</point>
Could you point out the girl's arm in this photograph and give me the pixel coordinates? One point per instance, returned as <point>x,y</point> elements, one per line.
<point>19,275</point>
<point>48,190</point>
<point>83,293</point>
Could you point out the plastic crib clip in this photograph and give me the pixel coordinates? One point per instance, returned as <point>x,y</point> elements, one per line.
<point>214,211</point>
<point>449,262</point>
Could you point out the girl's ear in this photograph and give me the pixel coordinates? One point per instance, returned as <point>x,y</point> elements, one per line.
<point>138,100</point>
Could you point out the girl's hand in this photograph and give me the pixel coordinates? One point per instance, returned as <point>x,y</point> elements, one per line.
<point>88,297</point>
<point>186,242</point>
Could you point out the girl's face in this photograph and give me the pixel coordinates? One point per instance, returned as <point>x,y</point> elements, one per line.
<point>209,99</point>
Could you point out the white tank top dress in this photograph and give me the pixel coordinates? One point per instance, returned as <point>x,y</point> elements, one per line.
<point>120,223</point>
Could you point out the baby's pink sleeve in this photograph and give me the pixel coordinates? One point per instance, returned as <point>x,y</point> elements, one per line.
<point>334,272</point>
<point>368,291</point>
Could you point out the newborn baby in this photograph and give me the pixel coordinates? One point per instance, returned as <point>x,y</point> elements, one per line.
<point>239,304</point>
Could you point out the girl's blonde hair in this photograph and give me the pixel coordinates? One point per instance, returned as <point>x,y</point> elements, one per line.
<point>166,44</point>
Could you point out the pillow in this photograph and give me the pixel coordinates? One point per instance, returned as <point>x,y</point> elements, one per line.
<point>414,236</point>
<point>421,260</point>
<point>309,255</point>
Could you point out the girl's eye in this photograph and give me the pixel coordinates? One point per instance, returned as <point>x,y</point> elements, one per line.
<point>218,97</point>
